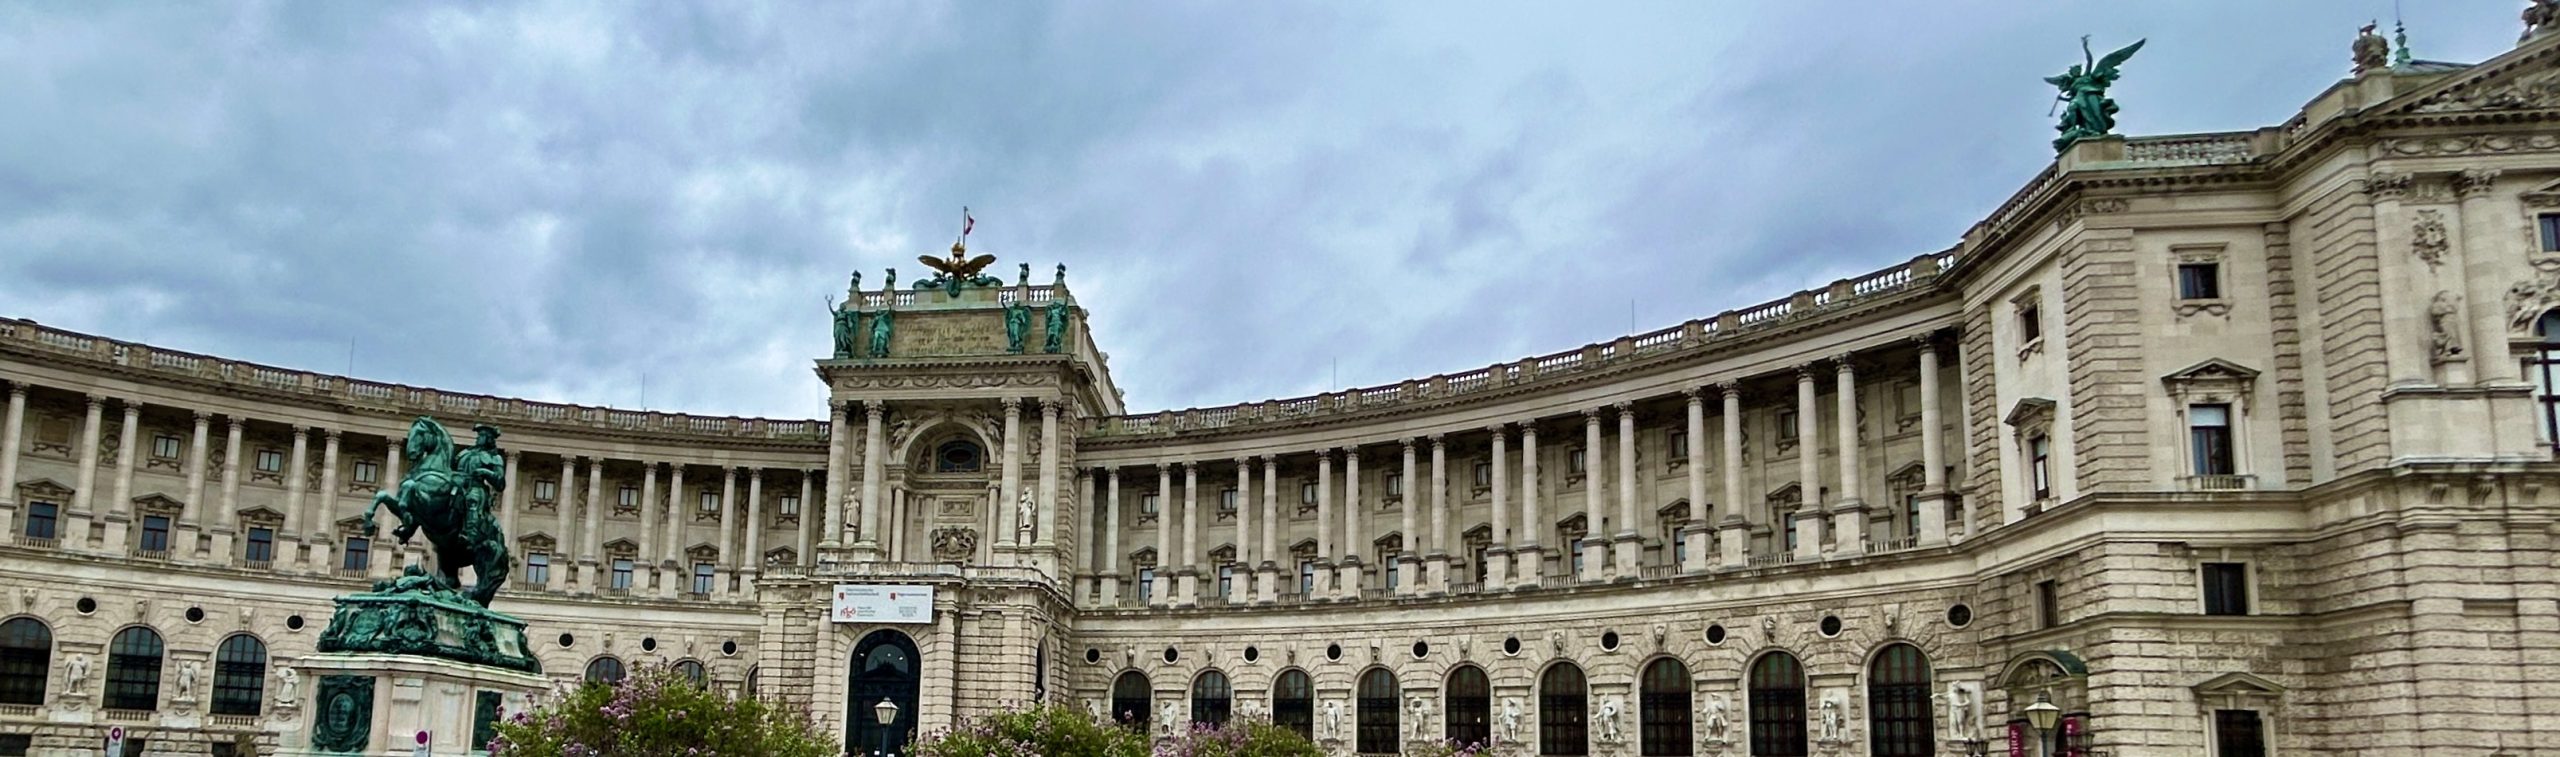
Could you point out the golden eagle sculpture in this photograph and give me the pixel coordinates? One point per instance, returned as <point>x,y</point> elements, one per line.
<point>960,265</point>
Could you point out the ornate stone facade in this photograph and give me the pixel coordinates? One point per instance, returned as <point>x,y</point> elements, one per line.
<point>2208,440</point>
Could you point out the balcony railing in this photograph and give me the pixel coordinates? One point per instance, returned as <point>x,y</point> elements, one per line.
<point>2221,483</point>
<point>39,542</point>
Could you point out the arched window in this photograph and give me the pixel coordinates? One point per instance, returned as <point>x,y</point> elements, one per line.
<point>1293,702</point>
<point>1662,706</point>
<point>1211,698</point>
<point>2542,368</point>
<point>239,676</point>
<point>1378,709</point>
<point>26,656</point>
<point>1563,712</point>
<point>957,456</point>
<point>1777,706</point>
<point>692,671</point>
<point>1469,701</point>
<point>133,670</point>
<point>1900,722</point>
<point>1132,701</point>
<point>606,669</point>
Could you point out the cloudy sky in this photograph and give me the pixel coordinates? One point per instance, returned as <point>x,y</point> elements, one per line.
<point>1256,200</point>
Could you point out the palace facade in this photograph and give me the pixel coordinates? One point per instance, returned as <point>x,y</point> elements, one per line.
<point>2227,444</point>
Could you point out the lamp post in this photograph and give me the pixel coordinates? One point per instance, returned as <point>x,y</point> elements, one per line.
<point>886,712</point>
<point>2042,715</point>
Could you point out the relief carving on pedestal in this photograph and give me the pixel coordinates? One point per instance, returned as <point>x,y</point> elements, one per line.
<point>2444,328</point>
<point>954,544</point>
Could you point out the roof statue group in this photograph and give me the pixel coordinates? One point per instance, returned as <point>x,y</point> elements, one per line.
<point>853,340</point>
<point>2086,110</point>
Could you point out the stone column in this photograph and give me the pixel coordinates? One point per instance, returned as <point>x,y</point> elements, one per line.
<point>1325,555</point>
<point>1242,590</point>
<point>1933,463</point>
<point>564,543</point>
<point>1437,560</point>
<point>874,461</point>
<point>753,524</point>
<point>1409,579</point>
<point>1009,481</point>
<point>126,452</point>
<point>1040,532</point>
<point>233,469</point>
<point>591,537</point>
<point>1808,514</point>
<point>1733,531</point>
<point>724,525</point>
<point>87,477</point>
<point>1160,591</point>
<point>1191,558</point>
<point>808,516</point>
<point>1497,558</point>
<point>297,518</point>
<point>10,439</point>
<point>510,498</point>
<point>1693,533</point>
<point>1595,477</point>
<point>2482,236</point>
<point>671,568</point>
<point>1630,535</point>
<point>1528,562</point>
<point>831,525</point>
<point>1849,511</point>
<point>193,516</point>
<point>324,522</point>
<point>1111,559</point>
<point>1267,582</point>
<point>1354,575</point>
<point>1088,544</point>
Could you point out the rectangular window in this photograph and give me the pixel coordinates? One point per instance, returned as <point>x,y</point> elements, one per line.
<point>1307,493</point>
<point>262,546</point>
<point>703,574</point>
<point>1786,425</point>
<point>1679,546</point>
<point>710,501</point>
<point>1679,445</point>
<point>40,520</point>
<point>1484,475</point>
<point>2209,439</point>
<point>1395,484</point>
<point>270,461</point>
<point>2040,466</point>
<point>1147,504</point>
<point>621,574</point>
<point>1911,514</point>
<point>368,472</point>
<point>16,744</point>
<point>2048,604</point>
<point>1306,576</point>
<point>2199,281</point>
<point>155,533</point>
<point>2030,324</point>
<point>1395,574</point>
<point>2226,588</point>
<point>1146,585</point>
<point>1226,579</point>
<point>1577,559</point>
<point>791,504</point>
<point>358,555</point>
<point>546,490</point>
<point>628,498</point>
<point>537,568</point>
<point>2238,733</point>
<point>1788,519</point>
<point>164,447</point>
<point>2550,226</point>
<point>1574,463</point>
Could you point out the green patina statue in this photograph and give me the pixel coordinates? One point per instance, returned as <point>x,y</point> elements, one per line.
<point>847,320</point>
<point>1017,326</point>
<point>2086,110</point>
<point>881,324</point>
<point>958,271</point>
<point>447,494</point>
<point>1057,314</point>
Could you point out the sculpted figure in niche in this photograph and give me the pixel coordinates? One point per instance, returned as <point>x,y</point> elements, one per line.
<point>1333,720</point>
<point>1719,718</point>
<point>1831,726</point>
<point>187,682</point>
<point>288,686</point>
<point>2444,326</point>
<point>1166,720</point>
<point>1093,708</point>
<point>1959,711</point>
<point>1610,707</point>
<point>75,673</point>
<point>1510,718</point>
<point>1026,512</point>
<point>1421,716</point>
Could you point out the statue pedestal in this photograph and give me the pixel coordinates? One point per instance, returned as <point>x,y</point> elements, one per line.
<point>376,704</point>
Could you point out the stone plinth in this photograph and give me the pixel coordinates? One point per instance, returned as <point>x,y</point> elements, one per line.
<point>375,704</point>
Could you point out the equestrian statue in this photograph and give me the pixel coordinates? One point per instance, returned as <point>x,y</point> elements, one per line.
<point>447,494</point>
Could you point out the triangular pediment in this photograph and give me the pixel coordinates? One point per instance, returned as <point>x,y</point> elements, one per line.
<point>621,546</point>
<point>262,516</point>
<point>156,503</point>
<point>44,489</point>
<point>2545,196</point>
<point>2214,369</point>
<point>2526,78</point>
<point>2027,410</point>
<point>2239,683</point>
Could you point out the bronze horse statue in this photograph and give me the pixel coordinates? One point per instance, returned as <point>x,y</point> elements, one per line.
<point>447,494</point>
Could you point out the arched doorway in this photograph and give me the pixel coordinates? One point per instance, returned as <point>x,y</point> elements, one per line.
<point>1133,701</point>
<point>885,668</point>
<point>1900,719</point>
<point>1777,706</point>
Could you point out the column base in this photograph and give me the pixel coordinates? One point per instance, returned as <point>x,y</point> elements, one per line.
<point>1408,575</point>
<point>1266,584</point>
<point>1934,528</point>
<point>1497,568</point>
<point>1110,590</point>
<point>74,533</point>
<point>1160,591</point>
<point>118,528</point>
<point>1808,535</point>
<point>1435,571</point>
<point>223,553</point>
<point>1186,589</point>
<point>1695,539</point>
<point>1595,559</point>
<point>1849,528</point>
<point>1628,548</point>
<point>1733,542</point>
<point>1528,567</point>
<point>1351,581</point>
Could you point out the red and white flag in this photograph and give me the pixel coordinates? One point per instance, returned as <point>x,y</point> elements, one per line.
<point>966,223</point>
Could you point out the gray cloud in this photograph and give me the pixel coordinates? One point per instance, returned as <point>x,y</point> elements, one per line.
<point>555,200</point>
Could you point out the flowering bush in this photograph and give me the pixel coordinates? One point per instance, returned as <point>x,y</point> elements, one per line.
<point>1240,737</point>
<point>1445,749</point>
<point>658,712</point>
<point>1042,731</point>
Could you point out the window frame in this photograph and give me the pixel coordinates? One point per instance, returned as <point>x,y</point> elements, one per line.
<point>2048,603</point>
<point>133,684</point>
<point>1665,719</point>
<point>706,577</point>
<point>1467,705</point>
<point>269,461</point>
<point>26,661</point>
<point>1902,719</point>
<point>1293,702</point>
<point>171,442</point>
<point>2547,227</point>
<point>261,540</point>
<point>537,568</point>
<point>2040,466</point>
<point>2247,584</point>
<point>2198,279</point>
<point>367,472</point>
<point>240,686</point>
<point>1377,713</point>
<point>2200,459</point>
<point>48,514</point>
<point>1564,719</point>
<point>621,575</point>
<point>1775,714</point>
<point>356,553</point>
<point>153,537</point>
<point>2216,733</point>
<point>1212,706</point>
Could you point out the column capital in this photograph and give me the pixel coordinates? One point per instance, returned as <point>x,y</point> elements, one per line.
<point>96,401</point>
<point>1011,404</point>
<point>331,434</point>
<point>238,422</point>
<point>1439,442</point>
<point>1804,371</point>
<point>1925,342</point>
<point>1591,415</point>
<point>131,406</point>
<point>840,408</point>
<point>1529,430</point>
<point>1329,453</point>
<point>202,416</point>
<point>1845,363</point>
<point>874,407</point>
<point>17,390</point>
<point>1695,395</point>
<point>1624,407</point>
<point>1730,388</point>
<point>1243,461</point>
<point>300,430</point>
<point>513,455</point>
<point>2473,182</point>
<point>1409,442</point>
<point>1499,429</point>
<point>1052,406</point>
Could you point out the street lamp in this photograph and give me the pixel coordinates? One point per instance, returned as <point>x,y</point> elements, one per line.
<point>2042,715</point>
<point>886,712</point>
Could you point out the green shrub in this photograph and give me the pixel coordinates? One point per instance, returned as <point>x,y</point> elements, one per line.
<point>657,712</point>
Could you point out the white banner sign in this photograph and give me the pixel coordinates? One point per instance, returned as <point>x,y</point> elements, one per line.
<point>860,603</point>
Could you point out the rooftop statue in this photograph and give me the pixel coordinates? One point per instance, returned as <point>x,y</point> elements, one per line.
<point>2370,49</point>
<point>2086,110</point>
<point>2541,16</point>
<point>958,271</point>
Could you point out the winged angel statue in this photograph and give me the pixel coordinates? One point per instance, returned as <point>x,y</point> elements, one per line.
<point>2086,110</point>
